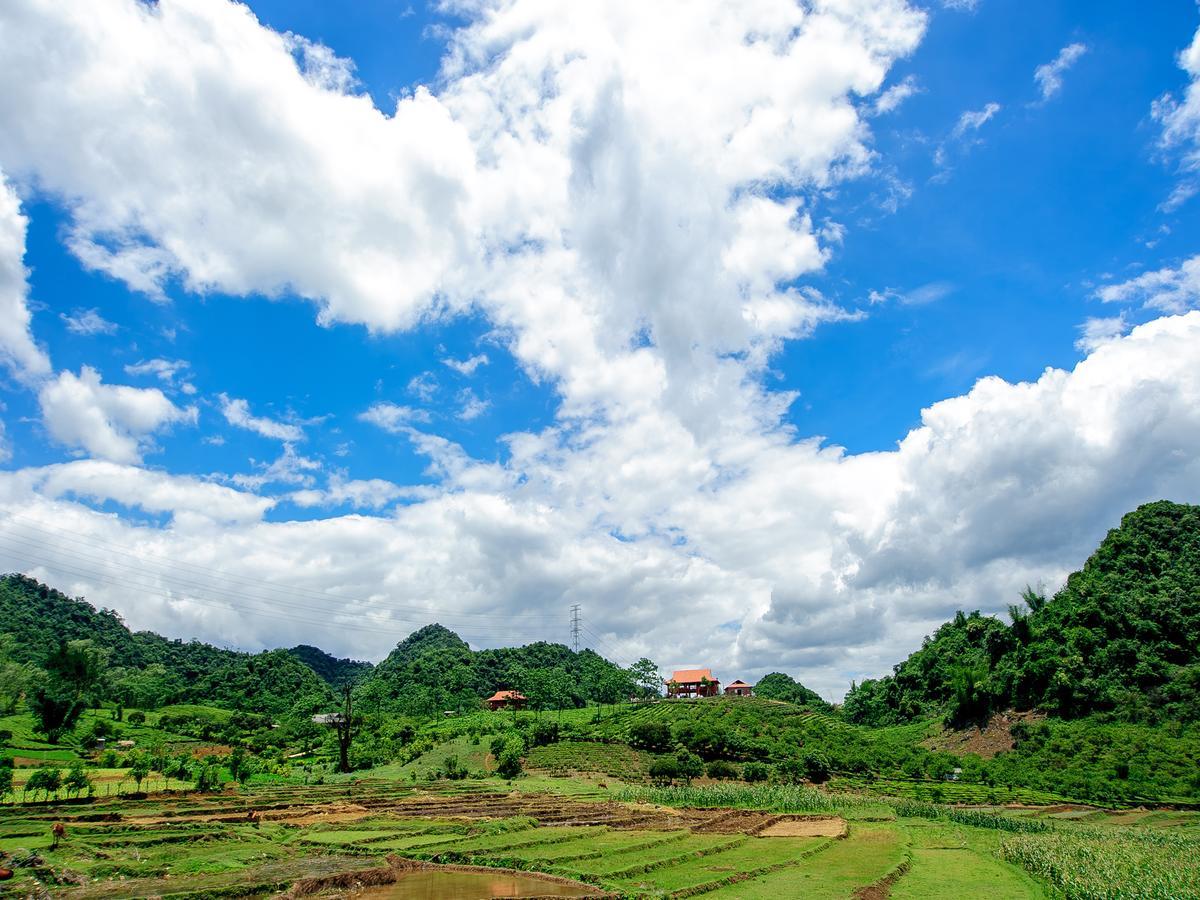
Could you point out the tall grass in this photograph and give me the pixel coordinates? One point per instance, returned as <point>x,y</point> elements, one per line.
<point>1106,864</point>
<point>782,798</point>
<point>978,818</point>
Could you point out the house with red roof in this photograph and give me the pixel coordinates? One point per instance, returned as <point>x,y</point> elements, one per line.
<point>693,683</point>
<point>506,700</point>
<point>739,688</point>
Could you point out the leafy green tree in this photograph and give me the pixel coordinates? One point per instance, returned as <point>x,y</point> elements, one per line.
<point>46,779</point>
<point>650,735</point>
<point>74,672</point>
<point>140,769</point>
<point>645,675</point>
<point>15,676</point>
<point>689,765</point>
<point>206,775</point>
<point>508,762</point>
<point>6,781</point>
<point>177,767</point>
<point>816,766</point>
<point>77,781</point>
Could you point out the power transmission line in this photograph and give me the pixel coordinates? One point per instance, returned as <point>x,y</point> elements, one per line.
<point>575,627</point>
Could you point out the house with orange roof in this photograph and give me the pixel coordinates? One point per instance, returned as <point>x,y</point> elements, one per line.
<point>506,700</point>
<point>693,683</point>
<point>739,688</point>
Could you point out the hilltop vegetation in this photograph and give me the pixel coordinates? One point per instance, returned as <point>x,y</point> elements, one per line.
<point>1111,658</point>
<point>1121,639</point>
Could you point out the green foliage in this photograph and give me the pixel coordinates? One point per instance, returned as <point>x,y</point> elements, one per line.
<point>1120,639</point>
<point>718,768</point>
<point>46,779</point>
<point>434,670</point>
<point>508,760</point>
<point>1095,864</point>
<point>77,781</point>
<point>778,686</point>
<point>337,673</point>
<point>650,735</point>
<point>755,771</point>
<point>6,781</point>
<point>148,670</point>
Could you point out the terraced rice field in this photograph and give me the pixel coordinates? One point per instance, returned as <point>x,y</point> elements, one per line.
<point>264,841</point>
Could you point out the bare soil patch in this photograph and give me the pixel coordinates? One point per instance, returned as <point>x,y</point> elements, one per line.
<point>831,827</point>
<point>995,737</point>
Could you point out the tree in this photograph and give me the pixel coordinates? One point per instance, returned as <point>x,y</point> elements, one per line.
<point>508,761</point>
<point>140,769</point>
<point>45,779</point>
<point>690,765</point>
<point>6,780</point>
<point>77,781</point>
<point>654,736</point>
<point>345,726</point>
<point>206,775</point>
<point>816,766</point>
<point>74,672</point>
<point>15,677</point>
<point>177,767</point>
<point>644,673</point>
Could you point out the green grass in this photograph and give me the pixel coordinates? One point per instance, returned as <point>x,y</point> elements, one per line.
<point>949,862</point>
<point>753,854</point>
<point>868,854</point>
<point>615,864</point>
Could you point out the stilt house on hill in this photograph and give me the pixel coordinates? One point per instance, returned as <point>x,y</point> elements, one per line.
<point>693,683</point>
<point>506,700</point>
<point>739,688</point>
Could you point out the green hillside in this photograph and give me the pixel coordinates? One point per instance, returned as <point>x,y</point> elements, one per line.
<point>1120,639</point>
<point>333,671</point>
<point>147,670</point>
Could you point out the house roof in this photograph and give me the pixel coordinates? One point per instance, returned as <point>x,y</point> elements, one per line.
<point>506,695</point>
<point>738,683</point>
<point>686,676</point>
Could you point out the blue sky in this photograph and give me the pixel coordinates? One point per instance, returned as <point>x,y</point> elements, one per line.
<point>502,309</point>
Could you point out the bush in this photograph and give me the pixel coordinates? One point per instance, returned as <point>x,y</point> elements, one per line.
<point>543,733</point>
<point>664,770</point>
<point>508,761</point>
<point>755,771</point>
<point>690,765</point>
<point>790,771</point>
<point>652,736</point>
<point>718,768</point>
<point>137,717</point>
<point>816,767</point>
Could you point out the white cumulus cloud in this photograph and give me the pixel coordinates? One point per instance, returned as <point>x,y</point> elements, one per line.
<point>113,422</point>
<point>237,413</point>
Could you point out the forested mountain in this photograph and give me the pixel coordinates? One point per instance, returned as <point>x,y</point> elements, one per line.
<point>1120,639</point>
<point>433,668</point>
<point>333,671</point>
<point>146,669</point>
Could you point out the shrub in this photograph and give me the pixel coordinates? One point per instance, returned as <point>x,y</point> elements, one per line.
<point>137,717</point>
<point>718,768</point>
<point>790,771</point>
<point>816,767</point>
<point>653,736</point>
<point>543,733</point>
<point>664,770</point>
<point>755,771</point>
<point>690,765</point>
<point>508,762</point>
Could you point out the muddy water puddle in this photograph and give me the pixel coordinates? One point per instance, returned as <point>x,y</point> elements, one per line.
<point>433,885</point>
